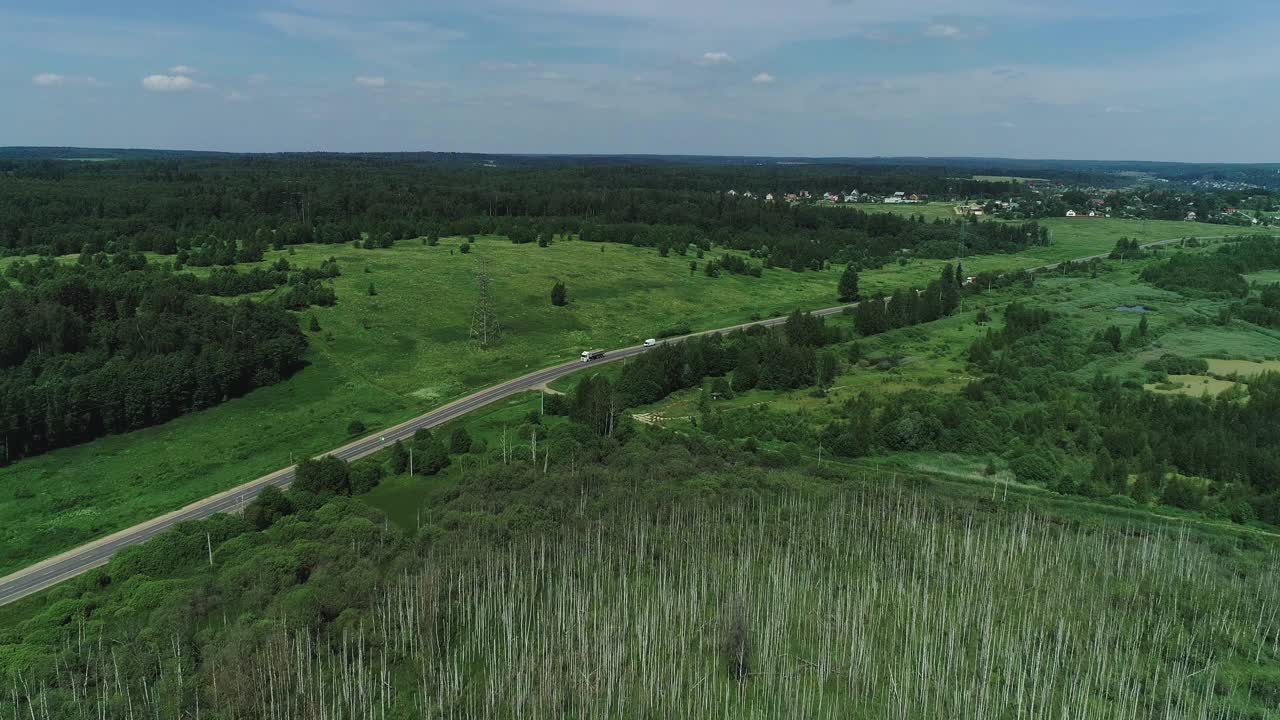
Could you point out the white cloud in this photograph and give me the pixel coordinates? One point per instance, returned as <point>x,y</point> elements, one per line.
<point>1123,109</point>
<point>386,42</point>
<point>56,80</point>
<point>258,79</point>
<point>237,96</point>
<point>715,58</point>
<point>945,32</point>
<point>763,78</point>
<point>183,70</point>
<point>371,81</point>
<point>1007,124</point>
<point>550,75</point>
<point>169,83</point>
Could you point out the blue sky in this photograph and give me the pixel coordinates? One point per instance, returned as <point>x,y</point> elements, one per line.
<point>1131,79</point>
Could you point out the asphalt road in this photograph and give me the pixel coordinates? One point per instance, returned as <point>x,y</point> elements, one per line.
<point>86,557</point>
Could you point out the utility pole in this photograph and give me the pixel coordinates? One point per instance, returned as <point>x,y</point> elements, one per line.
<point>484,321</point>
<point>411,459</point>
<point>209,544</point>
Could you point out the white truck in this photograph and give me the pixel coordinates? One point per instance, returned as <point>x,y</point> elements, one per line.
<point>650,342</point>
<point>589,355</point>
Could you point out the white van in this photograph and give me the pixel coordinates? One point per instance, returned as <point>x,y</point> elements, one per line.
<point>650,342</point>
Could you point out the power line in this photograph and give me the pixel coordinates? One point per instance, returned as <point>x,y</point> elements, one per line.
<point>485,330</point>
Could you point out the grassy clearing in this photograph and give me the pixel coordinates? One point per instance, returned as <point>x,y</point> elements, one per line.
<point>1264,278</point>
<point>935,356</point>
<point>1192,385</point>
<point>1239,341</point>
<point>1070,239</point>
<point>381,359</point>
<point>387,357</point>
<point>403,497</point>
<point>1242,368</point>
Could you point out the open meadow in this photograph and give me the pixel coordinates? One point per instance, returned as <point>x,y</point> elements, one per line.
<point>384,357</point>
<point>381,359</point>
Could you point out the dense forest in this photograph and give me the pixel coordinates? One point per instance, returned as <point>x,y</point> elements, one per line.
<point>212,210</point>
<point>114,343</point>
<point>70,371</point>
<point>543,587</point>
<point>1219,273</point>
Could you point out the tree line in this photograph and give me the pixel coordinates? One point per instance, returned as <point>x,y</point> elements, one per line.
<point>211,211</point>
<point>116,344</point>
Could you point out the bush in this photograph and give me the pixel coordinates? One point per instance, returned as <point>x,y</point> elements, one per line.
<point>1184,493</point>
<point>326,476</point>
<point>355,427</point>
<point>460,441</point>
<point>1036,468</point>
<point>675,331</point>
<point>1171,364</point>
<point>269,506</point>
<point>365,476</point>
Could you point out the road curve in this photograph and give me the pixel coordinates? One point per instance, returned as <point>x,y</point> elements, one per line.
<point>86,557</point>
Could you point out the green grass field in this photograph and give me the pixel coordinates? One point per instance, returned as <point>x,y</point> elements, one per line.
<point>1242,368</point>
<point>1192,385</point>
<point>1264,278</point>
<point>1069,239</point>
<point>381,359</point>
<point>387,357</point>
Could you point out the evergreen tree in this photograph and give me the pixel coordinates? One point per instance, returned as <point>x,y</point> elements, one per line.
<point>594,404</point>
<point>372,290</point>
<point>315,324</point>
<point>399,458</point>
<point>270,505</point>
<point>429,454</point>
<point>847,289</point>
<point>828,368</point>
<point>899,309</point>
<point>325,476</point>
<point>871,318</point>
<point>1114,338</point>
<point>559,294</point>
<point>460,441</point>
<point>747,374</point>
<point>949,292</point>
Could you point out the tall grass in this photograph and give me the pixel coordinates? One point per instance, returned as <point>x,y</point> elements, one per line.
<point>882,605</point>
